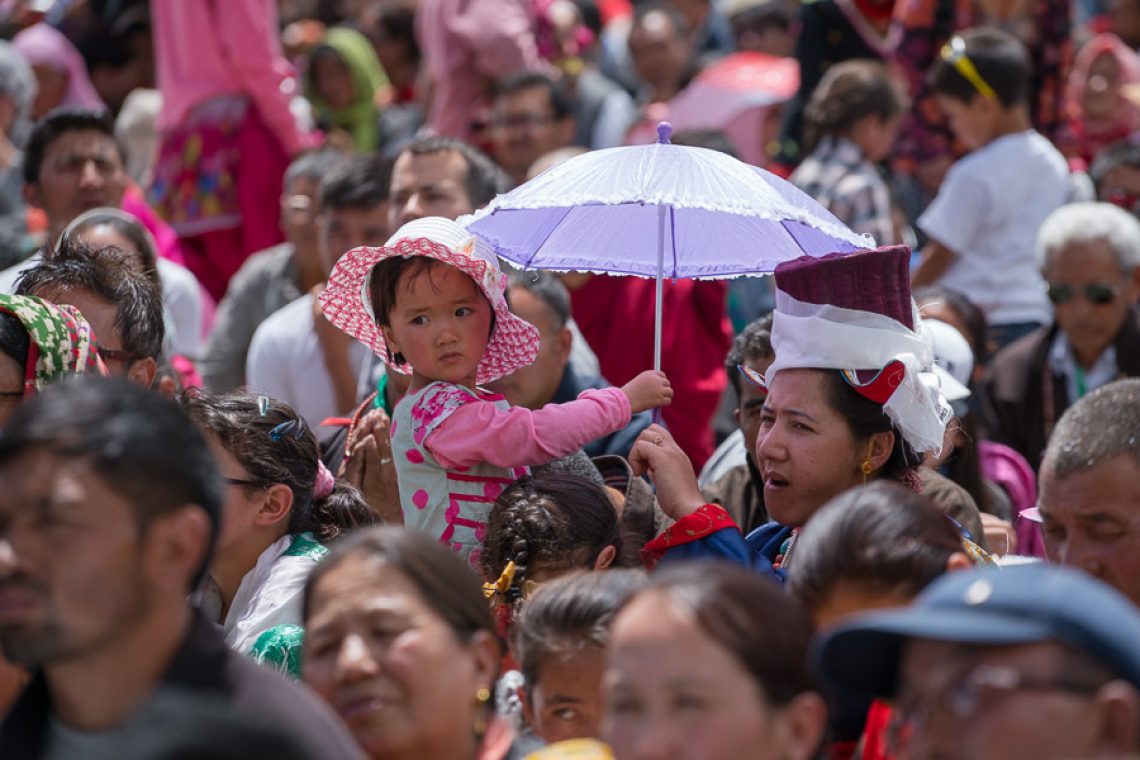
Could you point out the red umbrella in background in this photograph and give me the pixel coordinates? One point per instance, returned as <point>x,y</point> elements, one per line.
<point>740,95</point>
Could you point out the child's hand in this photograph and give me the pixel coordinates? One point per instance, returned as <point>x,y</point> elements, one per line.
<point>648,390</point>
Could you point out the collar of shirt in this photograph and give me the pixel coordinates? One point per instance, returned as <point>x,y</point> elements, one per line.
<point>1079,381</point>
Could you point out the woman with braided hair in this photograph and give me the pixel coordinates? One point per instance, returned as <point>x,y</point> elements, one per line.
<point>282,506</point>
<point>544,526</point>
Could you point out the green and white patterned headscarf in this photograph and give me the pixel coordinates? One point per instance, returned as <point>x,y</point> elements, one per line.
<point>61,342</point>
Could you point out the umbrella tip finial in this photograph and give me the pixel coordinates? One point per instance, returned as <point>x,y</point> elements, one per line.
<point>664,132</point>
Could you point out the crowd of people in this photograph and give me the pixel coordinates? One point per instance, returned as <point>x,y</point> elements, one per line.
<point>293,464</point>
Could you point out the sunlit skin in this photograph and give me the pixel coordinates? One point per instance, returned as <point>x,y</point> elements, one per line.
<point>805,450</point>
<point>1091,327</point>
<point>374,651</point>
<point>441,323</point>
<point>672,691</point>
<point>431,184</point>
<point>566,700</point>
<point>1091,521</point>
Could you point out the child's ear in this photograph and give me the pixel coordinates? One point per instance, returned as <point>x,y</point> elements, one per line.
<point>386,331</point>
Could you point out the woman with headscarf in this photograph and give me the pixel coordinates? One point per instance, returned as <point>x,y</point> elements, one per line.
<point>1098,113</point>
<point>61,74</point>
<point>17,89</point>
<point>342,82</point>
<point>41,343</point>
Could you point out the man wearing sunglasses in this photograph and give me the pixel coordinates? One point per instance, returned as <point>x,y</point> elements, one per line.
<point>1089,255</point>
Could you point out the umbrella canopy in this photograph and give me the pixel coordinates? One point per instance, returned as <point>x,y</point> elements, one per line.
<point>659,210</point>
<point>741,95</point>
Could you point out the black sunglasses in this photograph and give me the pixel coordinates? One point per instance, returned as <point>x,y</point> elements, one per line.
<point>1097,293</point>
<point>115,355</point>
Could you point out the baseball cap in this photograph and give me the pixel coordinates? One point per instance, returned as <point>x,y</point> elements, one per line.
<point>1023,604</point>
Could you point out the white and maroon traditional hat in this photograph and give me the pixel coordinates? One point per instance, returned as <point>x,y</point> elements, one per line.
<point>347,303</point>
<point>853,312</point>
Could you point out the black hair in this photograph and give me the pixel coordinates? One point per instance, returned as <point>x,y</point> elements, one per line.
<point>713,139</point>
<point>1000,59</point>
<point>547,288</point>
<point>561,520</point>
<point>760,18</point>
<point>397,22</point>
<point>526,80</point>
<point>881,536</point>
<point>754,342</point>
<point>14,340</point>
<point>278,447</point>
<point>865,418</point>
<point>570,614</point>
<point>384,282</point>
<point>356,182</point>
<point>140,444</point>
<point>130,228</point>
<point>110,274</point>
<point>1123,153</point>
<point>848,93</point>
<point>58,123</point>
<point>313,165</point>
<point>750,616</point>
<point>972,317</point>
<point>444,581</point>
<point>483,180</point>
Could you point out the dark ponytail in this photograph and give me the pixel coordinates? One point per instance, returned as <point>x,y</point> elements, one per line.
<point>278,447</point>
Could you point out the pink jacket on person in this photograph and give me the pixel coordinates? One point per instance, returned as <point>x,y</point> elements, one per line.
<point>206,48</point>
<point>467,44</point>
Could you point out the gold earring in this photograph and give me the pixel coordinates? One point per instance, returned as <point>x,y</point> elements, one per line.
<point>867,467</point>
<point>482,697</point>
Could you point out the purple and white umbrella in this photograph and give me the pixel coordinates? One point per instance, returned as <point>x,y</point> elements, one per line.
<point>661,211</point>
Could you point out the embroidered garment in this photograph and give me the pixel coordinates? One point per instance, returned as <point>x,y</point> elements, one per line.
<point>844,181</point>
<point>264,619</point>
<point>456,450</point>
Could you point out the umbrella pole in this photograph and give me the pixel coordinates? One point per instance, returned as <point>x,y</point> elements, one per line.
<point>659,297</point>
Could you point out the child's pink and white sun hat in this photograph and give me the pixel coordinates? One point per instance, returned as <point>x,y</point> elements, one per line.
<point>347,303</point>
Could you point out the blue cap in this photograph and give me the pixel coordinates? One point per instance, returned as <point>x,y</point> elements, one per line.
<point>1023,604</point>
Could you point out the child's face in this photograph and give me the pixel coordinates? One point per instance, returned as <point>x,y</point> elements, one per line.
<point>970,122</point>
<point>441,323</point>
<point>566,701</point>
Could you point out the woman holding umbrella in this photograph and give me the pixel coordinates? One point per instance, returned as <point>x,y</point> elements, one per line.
<point>852,397</point>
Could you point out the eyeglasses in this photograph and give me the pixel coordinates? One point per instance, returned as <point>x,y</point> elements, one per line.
<point>11,394</point>
<point>753,377</point>
<point>954,53</point>
<point>1096,292</point>
<point>961,700</point>
<point>301,205</point>
<point>521,121</point>
<point>115,355</point>
<point>240,482</point>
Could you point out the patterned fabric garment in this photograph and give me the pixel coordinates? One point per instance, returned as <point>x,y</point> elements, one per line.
<point>922,27</point>
<point>61,341</point>
<point>450,505</point>
<point>840,177</point>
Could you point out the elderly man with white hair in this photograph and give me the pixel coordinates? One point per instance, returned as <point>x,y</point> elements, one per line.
<point>1090,260</point>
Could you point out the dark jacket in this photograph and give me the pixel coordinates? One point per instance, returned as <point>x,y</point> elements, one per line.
<point>1022,397</point>
<point>619,442</point>
<point>204,665</point>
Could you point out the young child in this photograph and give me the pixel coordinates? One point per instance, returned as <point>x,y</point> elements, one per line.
<point>431,302</point>
<point>983,223</point>
<point>851,123</point>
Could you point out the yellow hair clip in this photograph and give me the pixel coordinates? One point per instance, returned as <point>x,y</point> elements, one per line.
<point>954,53</point>
<point>506,578</point>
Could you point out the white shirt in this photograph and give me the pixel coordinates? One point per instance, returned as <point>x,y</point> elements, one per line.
<point>285,362</point>
<point>987,212</point>
<point>181,302</point>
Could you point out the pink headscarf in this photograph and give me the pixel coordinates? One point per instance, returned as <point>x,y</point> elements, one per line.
<point>1082,137</point>
<point>44,45</point>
